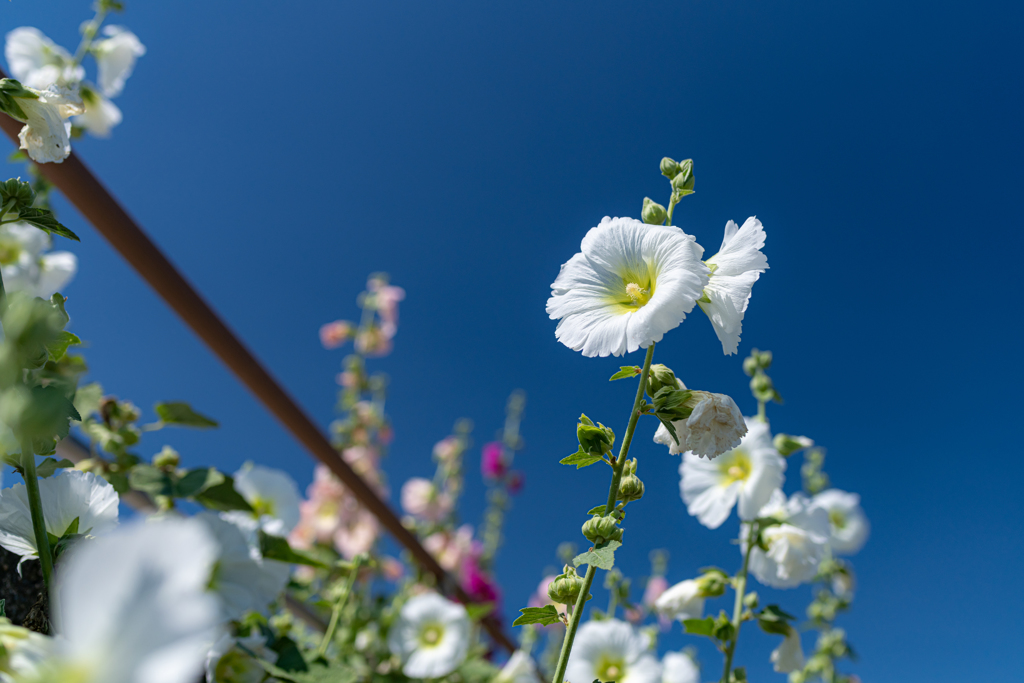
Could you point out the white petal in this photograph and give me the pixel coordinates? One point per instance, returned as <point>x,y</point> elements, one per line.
<point>116,57</point>
<point>741,250</point>
<point>729,296</point>
<point>56,270</point>
<point>766,475</point>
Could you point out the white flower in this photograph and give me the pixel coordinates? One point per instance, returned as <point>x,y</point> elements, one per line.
<point>116,57</point>
<point>796,547</point>
<point>226,663</point>
<point>430,636</point>
<point>100,116</point>
<point>747,474</point>
<point>271,493</point>
<point>682,601</point>
<point>37,61</point>
<point>67,496</point>
<point>679,667</point>
<point>631,283</point>
<point>518,669</point>
<point>715,425</point>
<point>789,655</point>
<point>26,268</point>
<point>849,525</point>
<point>21,651</point>
<point>133,606</point>
<point>420,498</point>
<point>45,135</point>
<point>241,577</point>
<point>734,270</point>
<point>611,650</point>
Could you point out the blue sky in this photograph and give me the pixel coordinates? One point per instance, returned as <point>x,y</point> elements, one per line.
<point>281,153</point>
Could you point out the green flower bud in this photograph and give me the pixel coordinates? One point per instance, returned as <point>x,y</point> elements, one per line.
<point>168,458</point>
<point>661,376</point>
<point>653,213</point>
<point>787,445</point>
<point>594,438</point>
<point>713,583</point>
<point>20,192</point>
<point>669,168</point>
<point>565,588</point>
<point>599,530</point>
<point>751,601</point>
<point>762,387</point>
<point>630,486</point>
<point>683,181</point>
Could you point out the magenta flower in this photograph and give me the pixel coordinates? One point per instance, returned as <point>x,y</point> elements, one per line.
<point>479,586</point>
<point>492,461</point>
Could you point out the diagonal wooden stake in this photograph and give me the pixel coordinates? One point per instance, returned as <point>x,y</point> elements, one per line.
<point>78,184</point>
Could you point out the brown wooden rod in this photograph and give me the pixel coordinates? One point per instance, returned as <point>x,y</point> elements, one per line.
<point>78,184</point>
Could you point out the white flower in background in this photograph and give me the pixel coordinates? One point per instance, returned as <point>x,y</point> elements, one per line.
<point>734,270</point>
<point>679,667</point>
<point>421,499</point>
<point>849,525</point>
<point>100,116</point>
<point>271,493</point>
<point>116,57</point>
<point>715,425</point>
<point>631,283</point>
<point>518,669</point>
<point>37,61</point>
<point>747,474</point>
<point>682,601</point>
<point>226,663</point>
<point>789,656</point>
<point>430,636</point>
<point>69,495</point>
<point>21,651</point>
<point>241,577</point>
<point>45,135</point>
<point>26,268</point>
<point>795,547</point>
<point>133,606</point>
<point>611,650</point>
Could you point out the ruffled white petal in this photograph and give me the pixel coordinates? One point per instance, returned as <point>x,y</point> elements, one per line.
<point>679,667</point>
<point>272,492</point>
<point>849,525</point>
<point>116,57</point>
<point>100,117</point>
<point>598,642</point>
<point>737,266</point>
<point>681,601</point>
<point>46,134</point>
<point>788,656</point>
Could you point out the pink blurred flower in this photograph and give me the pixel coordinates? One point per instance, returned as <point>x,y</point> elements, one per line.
<point>656,585</point>
<point>347,379</point>
<point>447,449</point>
<point>492,461</point>
<point>515,482</point>
<point>357,533</point>
<point>450,549</point>
<point>421,499</point>
<point>634,615</point>
<point>363,459</point>
<point>374,342</point>
<point>540,596</point>
<point>333,335</point>
<point>392,569</point>
<point>479,586</point>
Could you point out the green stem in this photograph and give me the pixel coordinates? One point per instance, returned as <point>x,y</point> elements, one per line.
<point>35,505</point>
<point>88,35</point>
<point>338,606</point>
<point>613,493</point>
<point>737,610</point>
<point>761,416</point>
<point>613,602</point>
<point>671,207</point>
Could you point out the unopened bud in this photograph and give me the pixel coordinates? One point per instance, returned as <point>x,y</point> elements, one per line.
<point>630,486</point>
<point>683,181</point>
<point>653,213</point>
<point>713,583</point>
<point>168,458</point>
<point>787,445</point>
<point>751,601</point>
<point>565,588</point>
<point>659,377</point>
<point>599,530</point>
<point>669,168</point>
<point>594,438</point>
<point>762,387</point>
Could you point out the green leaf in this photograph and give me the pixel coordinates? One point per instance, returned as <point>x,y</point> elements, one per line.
<point>87,399</point>
<point>773,620</point>
<point>699,627</point>
<point>222,496</point>
<point>59,346</point>
<point>72,528</point>
<point>599,511</point>
<point>151,480</point>
<point>45,220</point>
<point>277,548</point>
<point>50,465</point>
<point>667,421</point>
<point>580,459</point>
<point>479,610</point>
<point>625,371</point>
<point>196,481</point>
<point>545,615</point>
<point>181,413</point>
<point>602,558</point>
<point>289,656</point>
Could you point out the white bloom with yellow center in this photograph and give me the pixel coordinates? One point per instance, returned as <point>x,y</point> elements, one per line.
<point>795,547</point>
<point>519,668</point>
<point>789,655</point>
<point>849,524</point>
<point>629,285</point>
<point>679,667</point>
<point>611,650</point>
<point>715,425</point>
<point>116,57</point>
<point>67,496</point>
<point>682,601</point>
<point>271,493</point>
<point>37,61</point>
<point>746,475</point>
<point>226,663</point>
<point>430,636</point>
<point>26,268</point>
<point>46,134</point>
<point>734,270</point>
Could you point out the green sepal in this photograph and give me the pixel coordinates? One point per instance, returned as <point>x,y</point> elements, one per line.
<point>222,496</point>
<point>598,511</point>
<point>602,558</point>
<point>580,459</point>
<point>773,620</point>
<point>277,548</point>
<point>625,371</point>
<point>196,481</point>
<point>181,414</point>
<point>671,428</point>
<point>57,347</point>
<point>545,615</point>
<point>45,220</point>
<point>50,465</point>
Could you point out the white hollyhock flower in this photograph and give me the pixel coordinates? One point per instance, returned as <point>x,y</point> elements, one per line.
<point>849,525</point>
<point>45,135</point>
<point>734,270</point>
<point>101,115</point>
<point>38,62</point>
<point>67,496</point>
<point>271,493</point>
<point>611,650</point>
<point>747,474</point>
<point>795,547</point>
<point>682,601</point>
<point>241,577</point>
<point>519,668</point>
<point>26,268</point>
<point>789,655</point>
<point>430,636</point>
<point>21,652</point>
<point>715,425</point>
<point>679,667</point>
<point>133,606</point>
<point>631,283</point>
<point>116,57</point>
<point>226,663</point>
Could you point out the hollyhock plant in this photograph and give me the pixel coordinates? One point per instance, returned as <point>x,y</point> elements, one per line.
<point>115,58</point>
<point>796,546</point>
<point>789,656</point>
<point>715,426</point>
<point>430,636</point>
<point>848,523</point>
<point>333,335</point>
<point>609,651</point>
<point>44,112</point>
<point>520,668</point>
<point>273,495</point>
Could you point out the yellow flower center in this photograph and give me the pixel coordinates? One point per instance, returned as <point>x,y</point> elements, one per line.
<point>837,518</point>
<point>637,294</point>
<point>736,467</point>
<point>262,506</point>
<point>609,670</point>
<point>431,634</point>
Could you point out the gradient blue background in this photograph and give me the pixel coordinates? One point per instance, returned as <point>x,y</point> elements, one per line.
<point>279,152</point>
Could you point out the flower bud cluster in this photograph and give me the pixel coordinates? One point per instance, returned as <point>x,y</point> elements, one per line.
<point>680,173</point>
<point>600,530</point>
<point>761,385</point>
<point>594,438</point>
<point>565,588</point>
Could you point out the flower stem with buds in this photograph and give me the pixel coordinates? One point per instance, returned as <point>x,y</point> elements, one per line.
<point>737,610</point>
<point>613,492</point>
<point>35,505</point>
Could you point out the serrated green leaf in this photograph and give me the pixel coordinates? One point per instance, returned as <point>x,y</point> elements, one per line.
<point>479,610</point>
<point>277,548</point>
<point>50,465</point>
<point>181,414</point>
<point>580,459</point>
<point>624,372</point>
<point>599,511</point>
<point>699,627</point>
<point>545,615</point>
<point>602,558</point>
<point>45,220</point>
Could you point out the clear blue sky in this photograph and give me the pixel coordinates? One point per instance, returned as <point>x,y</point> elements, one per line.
<point>279,152</point>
